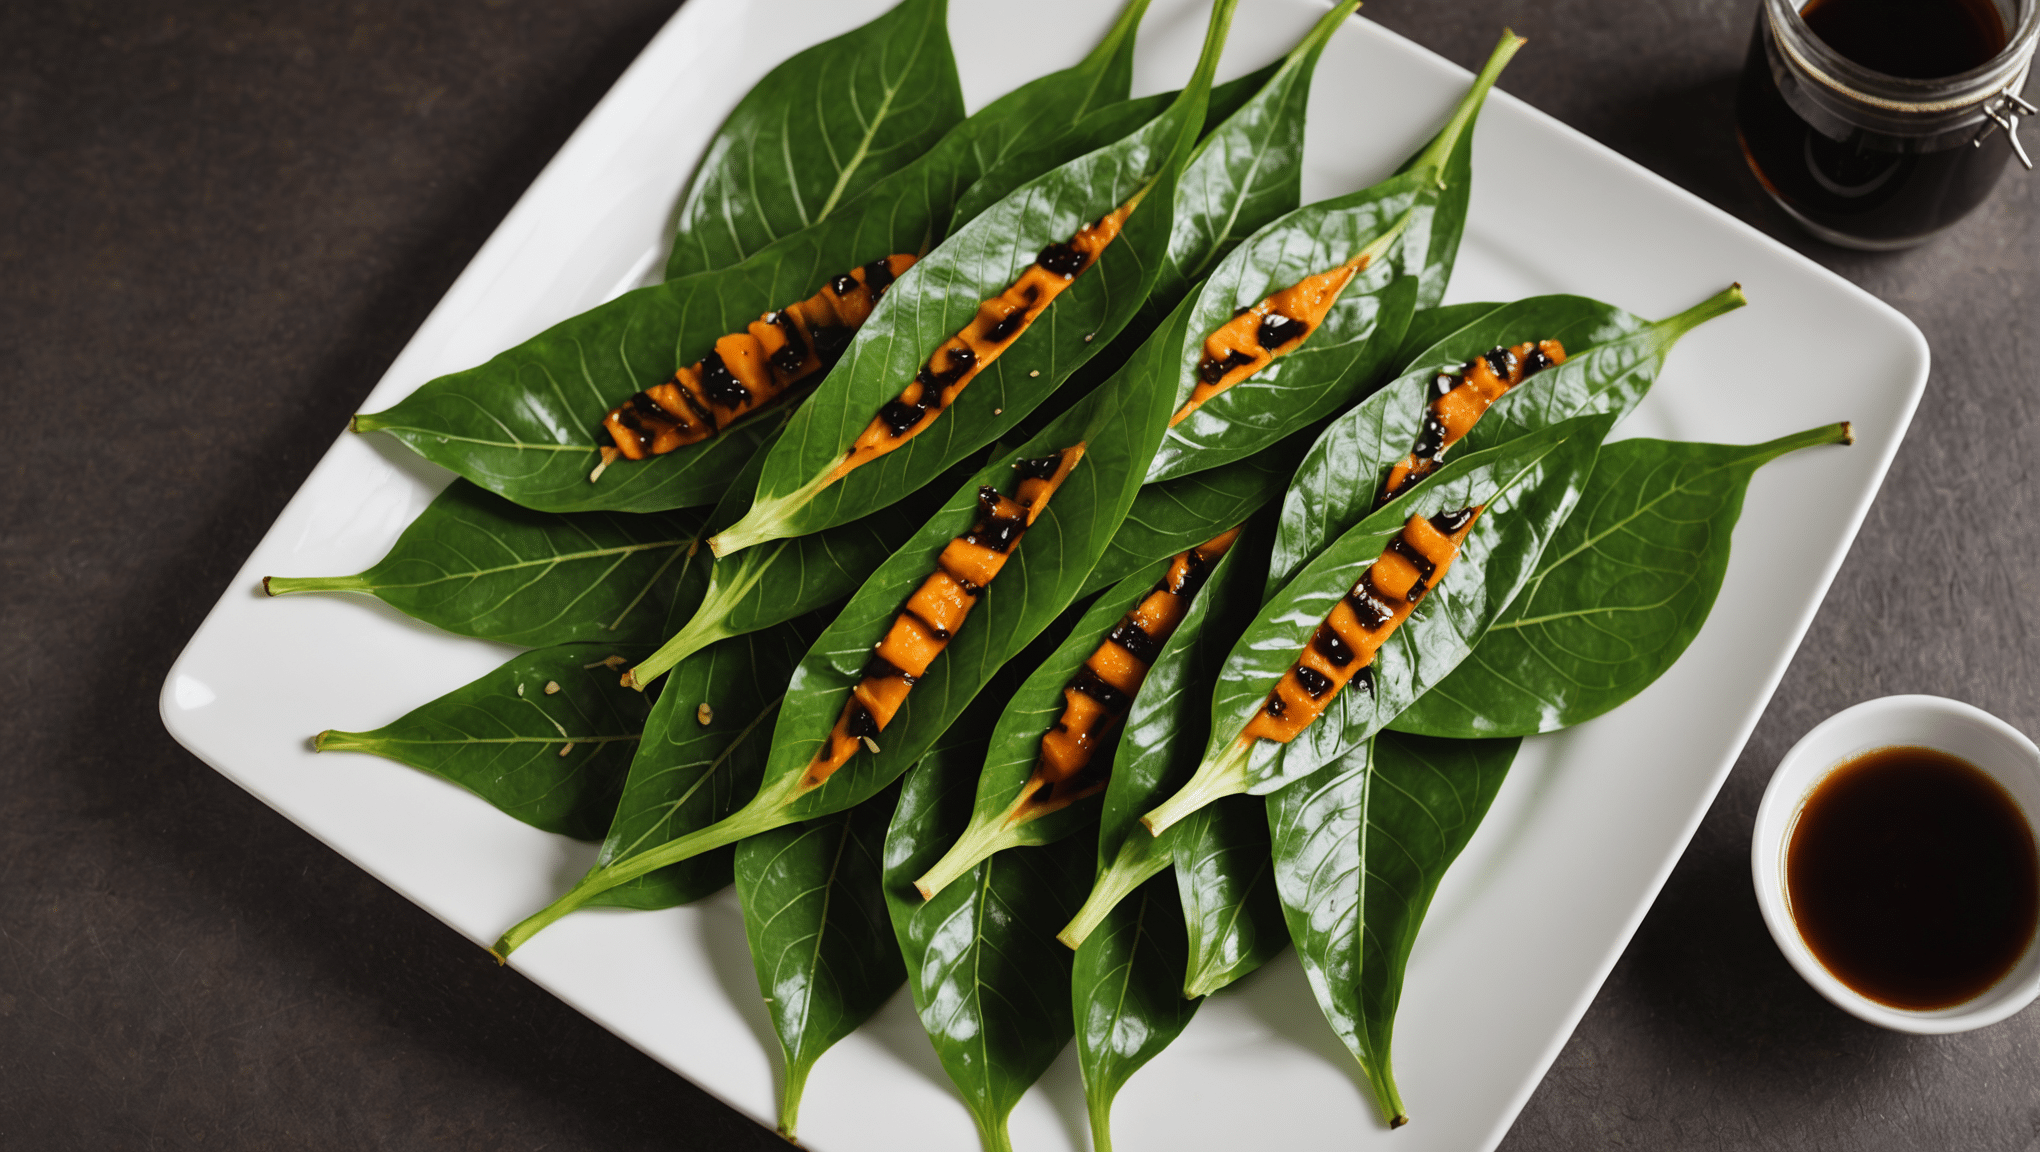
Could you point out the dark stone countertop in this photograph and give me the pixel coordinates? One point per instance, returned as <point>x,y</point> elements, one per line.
<point>219,222</point>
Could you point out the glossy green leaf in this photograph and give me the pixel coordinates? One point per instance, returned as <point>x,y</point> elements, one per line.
<point>1430,325</point>
<point>1227,889</point>
<point>990,983</point>
<point>1173,515</point>
<point>939,295</point>
<point>1359,848</point>
<point>760,587</point>
<point>820,128</point>
<point>821,942</point>
<point>478,565</point>
<point>1613,358</point>
<point>1118,425</point>
<point>1528,486</point>
<point>1395,222</point>
<point>1127,996</point>
<point>1220,853</point>
<point>547,737</point>
<point>523,425</point>
<point>687,775</point>
<point>1622,589</point>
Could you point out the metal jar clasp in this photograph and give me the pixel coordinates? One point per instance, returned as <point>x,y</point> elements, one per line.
<point>2005,112</point>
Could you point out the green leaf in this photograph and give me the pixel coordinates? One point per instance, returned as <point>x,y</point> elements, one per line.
<point>821,942</point>
<point>1127,999</point>
<point>1173,515</point>
<point>688,775</point>
<point>1527,486</point>
<point>1220,853</point>
<point>1119,425</point>
<point>990,983</point>
<point>478,565</point>
<point>1411,232</point>
<point>523,425</point>
<point>820,128</point>
<point>760,587</point>
<point>1359,848</point>
<point>1228,892</point>
<point>1620,592</point>
<point>942,293</point>
<point>1430,325</point>
<point>547,737</point>
<point>1613,359</point>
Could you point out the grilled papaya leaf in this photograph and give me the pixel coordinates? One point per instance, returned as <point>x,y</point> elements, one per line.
<point>1613,358</point>
<point>760,587</point>
<point>820,128</point>
<point>478,565</point>
<point>524,424</point>
<point>821,943</point>
<point>1117,427</point>
<point>547,737</point>
<point>806,488</point>
<point>703,751</point>
<point>1359,848</point>
<point>1126,996</point>
<point>1619,594</point>
<point>990,983</point>
<point>1526,487</point>
<point>1372,245</point>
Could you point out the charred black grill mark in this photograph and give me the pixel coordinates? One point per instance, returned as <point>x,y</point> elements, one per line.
<point>1003,331</point>
<point>1367,603</point>
<point>1314,682</point>
<point>1136,641</point>
<point>880,668</point>
<point>602,437</point>
<point>844,284</point>
<point>1535,361</point>
<point>1422,563</point>
<point>900,416</point>
<point>790,357</point>
<point>927,625</point>
<point>1039,468</point>
<point>1365,679</point>
<point>859,723</point>
<point>1093,685</point>
<point>830,340</point>
<point>878,275</point>
<point>1500,361</point>
<point>1277,330</point>
<point>720,384</point>
<point>1191,578</point>
<point>1212,371</point>
<point>1336,652</point>
<point>1443,383</point>
<point>1275,706</point>
<point>1061,259</point>
<point>1449,522</point>
<point>1430,437</point>
<point>998,533</point>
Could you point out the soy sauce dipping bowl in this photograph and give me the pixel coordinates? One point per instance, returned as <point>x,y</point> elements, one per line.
<point>1950,726</point>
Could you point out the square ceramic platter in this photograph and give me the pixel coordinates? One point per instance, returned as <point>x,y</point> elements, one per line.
<point>1526,925</point>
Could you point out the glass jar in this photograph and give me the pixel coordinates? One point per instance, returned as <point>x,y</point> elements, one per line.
<point>1870,160</point>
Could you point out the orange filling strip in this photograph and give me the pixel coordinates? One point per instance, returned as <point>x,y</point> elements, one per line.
<point>1344,645</point>
<point>747,370</point>
<point>998,323</point>
<point>1277,326</point>
<point>936,611</point>
<point>1458,402</point>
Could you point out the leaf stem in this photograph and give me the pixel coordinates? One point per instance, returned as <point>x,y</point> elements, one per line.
<point>1127,873</point>
<point>1215,779</point>
<point>768,516</point>
<point>972,848</point>
<point>1839,433</point>
<point>1385,1095</point>
<point>789,1098</point>
<point>283,585</point>
<point>1435,156</point>
<point>1099,1105</point>
<point>709,624</point>
<point>1668,330</point>
<point>757,816</point>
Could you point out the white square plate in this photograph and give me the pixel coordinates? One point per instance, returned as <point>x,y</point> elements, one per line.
<point>1526,925</point>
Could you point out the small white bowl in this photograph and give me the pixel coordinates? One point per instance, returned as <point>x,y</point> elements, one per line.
<point>1925,721</point>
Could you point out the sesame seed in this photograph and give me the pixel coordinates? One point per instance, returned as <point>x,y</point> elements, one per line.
<point>704,715</point>
<point>552,687</point>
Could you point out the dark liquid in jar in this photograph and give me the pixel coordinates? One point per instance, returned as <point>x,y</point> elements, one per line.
<point>1866,186</point>
<point>1912,876</point>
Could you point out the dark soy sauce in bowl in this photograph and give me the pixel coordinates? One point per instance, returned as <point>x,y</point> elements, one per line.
<point>1912,877</point>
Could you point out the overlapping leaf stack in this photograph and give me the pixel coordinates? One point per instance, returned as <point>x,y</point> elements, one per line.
<point>969,643</point>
